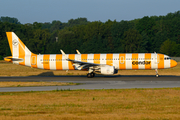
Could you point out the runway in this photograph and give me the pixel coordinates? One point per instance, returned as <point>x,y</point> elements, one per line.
<point>99,82</point>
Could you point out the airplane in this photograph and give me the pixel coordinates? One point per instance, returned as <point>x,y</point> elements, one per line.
<point>107,64</point>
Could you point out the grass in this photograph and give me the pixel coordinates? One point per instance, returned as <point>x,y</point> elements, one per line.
<point>30,84</point>
<point>9,69</point>
<point>143,104</point>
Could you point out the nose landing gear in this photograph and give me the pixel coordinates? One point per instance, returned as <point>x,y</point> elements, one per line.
<point>157,75</point>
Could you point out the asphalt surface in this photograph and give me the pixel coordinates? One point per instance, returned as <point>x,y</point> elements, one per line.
<point>98,82</point>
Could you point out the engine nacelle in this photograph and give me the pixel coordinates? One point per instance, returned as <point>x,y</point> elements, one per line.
<point>108,70</point>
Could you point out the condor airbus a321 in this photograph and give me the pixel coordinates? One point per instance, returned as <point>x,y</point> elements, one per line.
<point>107,64</point>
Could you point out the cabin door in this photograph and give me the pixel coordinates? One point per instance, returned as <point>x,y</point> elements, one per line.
<point>33,60</point>
<point>122,60</point>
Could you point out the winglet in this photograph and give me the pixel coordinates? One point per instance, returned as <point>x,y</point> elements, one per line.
<point>64,54</point>
<point>78,52</point>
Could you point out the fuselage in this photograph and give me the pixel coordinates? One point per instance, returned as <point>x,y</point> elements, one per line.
<point>124,61</point>
<point>107,64</point>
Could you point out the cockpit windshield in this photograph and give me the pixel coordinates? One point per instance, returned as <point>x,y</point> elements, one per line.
<point>167,58</point>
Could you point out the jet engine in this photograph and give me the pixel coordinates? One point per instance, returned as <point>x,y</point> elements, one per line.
<point>108,70</point>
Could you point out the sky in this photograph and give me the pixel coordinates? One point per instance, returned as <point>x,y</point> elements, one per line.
<point>29,11</point>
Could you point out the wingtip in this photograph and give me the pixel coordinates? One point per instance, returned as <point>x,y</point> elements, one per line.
<point>62,51</point>
<point>78,52</point>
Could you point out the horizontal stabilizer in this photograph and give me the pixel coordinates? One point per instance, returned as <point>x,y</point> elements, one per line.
<point>13,59</point>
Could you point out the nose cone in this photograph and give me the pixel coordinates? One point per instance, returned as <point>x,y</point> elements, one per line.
<point>173,63</point>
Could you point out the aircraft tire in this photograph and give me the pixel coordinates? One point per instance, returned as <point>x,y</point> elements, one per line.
<point>157,75</point>
<point>93,74</point>
<point>89,75</point>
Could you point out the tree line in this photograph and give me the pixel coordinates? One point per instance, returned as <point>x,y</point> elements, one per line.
<point>145,35</point>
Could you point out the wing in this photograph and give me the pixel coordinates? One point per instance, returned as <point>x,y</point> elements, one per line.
<point>82,65</point>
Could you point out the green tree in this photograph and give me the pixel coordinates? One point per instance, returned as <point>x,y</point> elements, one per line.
<point>78,21</point>
<point>133,41</point>
<point>117,33</point>
<point>56,25</point>
<point>146,24</point>
<point>167,47</point>
<point>9,20</point>
<point>40,40</point>
<point>37,25</point>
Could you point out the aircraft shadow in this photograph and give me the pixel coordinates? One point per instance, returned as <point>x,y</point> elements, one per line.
<point>46,74</point>
<point>137,76</point>
<point>51,74</point>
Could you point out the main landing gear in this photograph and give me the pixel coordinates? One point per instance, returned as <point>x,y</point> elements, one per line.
<point>90,75</point>
<point>157,75</point>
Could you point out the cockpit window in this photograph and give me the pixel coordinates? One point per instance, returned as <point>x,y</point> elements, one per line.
<point>167,58</point>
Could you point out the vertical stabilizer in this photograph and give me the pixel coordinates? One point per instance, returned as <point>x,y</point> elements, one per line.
<point>17,46</point>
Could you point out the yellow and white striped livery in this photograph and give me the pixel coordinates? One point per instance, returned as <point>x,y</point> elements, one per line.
<point>103,63</point>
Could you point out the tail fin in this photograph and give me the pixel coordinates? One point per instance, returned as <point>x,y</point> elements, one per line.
<point>17,46</point>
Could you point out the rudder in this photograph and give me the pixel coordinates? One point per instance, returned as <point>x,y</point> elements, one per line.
<point>17,47</point>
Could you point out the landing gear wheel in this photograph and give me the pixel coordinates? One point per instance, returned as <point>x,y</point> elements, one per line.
<point>92,74</point>
<point>89,75</point>
<point>157,75</point>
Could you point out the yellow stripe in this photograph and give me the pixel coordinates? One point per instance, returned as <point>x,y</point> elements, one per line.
<point>34,60</point>
<point>122,61</point>
<point>147,60</point>
<point>22,63</point>
<point>58,62</point>
<point>84,57</point>
<point>71,56</point>
<point>135,59</point>
<point>97,58</point>
<point>161,61</point>
<point>46,62</point>
<point>22,52</point>
<point>173,63</point>
<point>9,36</point>
<point>109,60</point>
